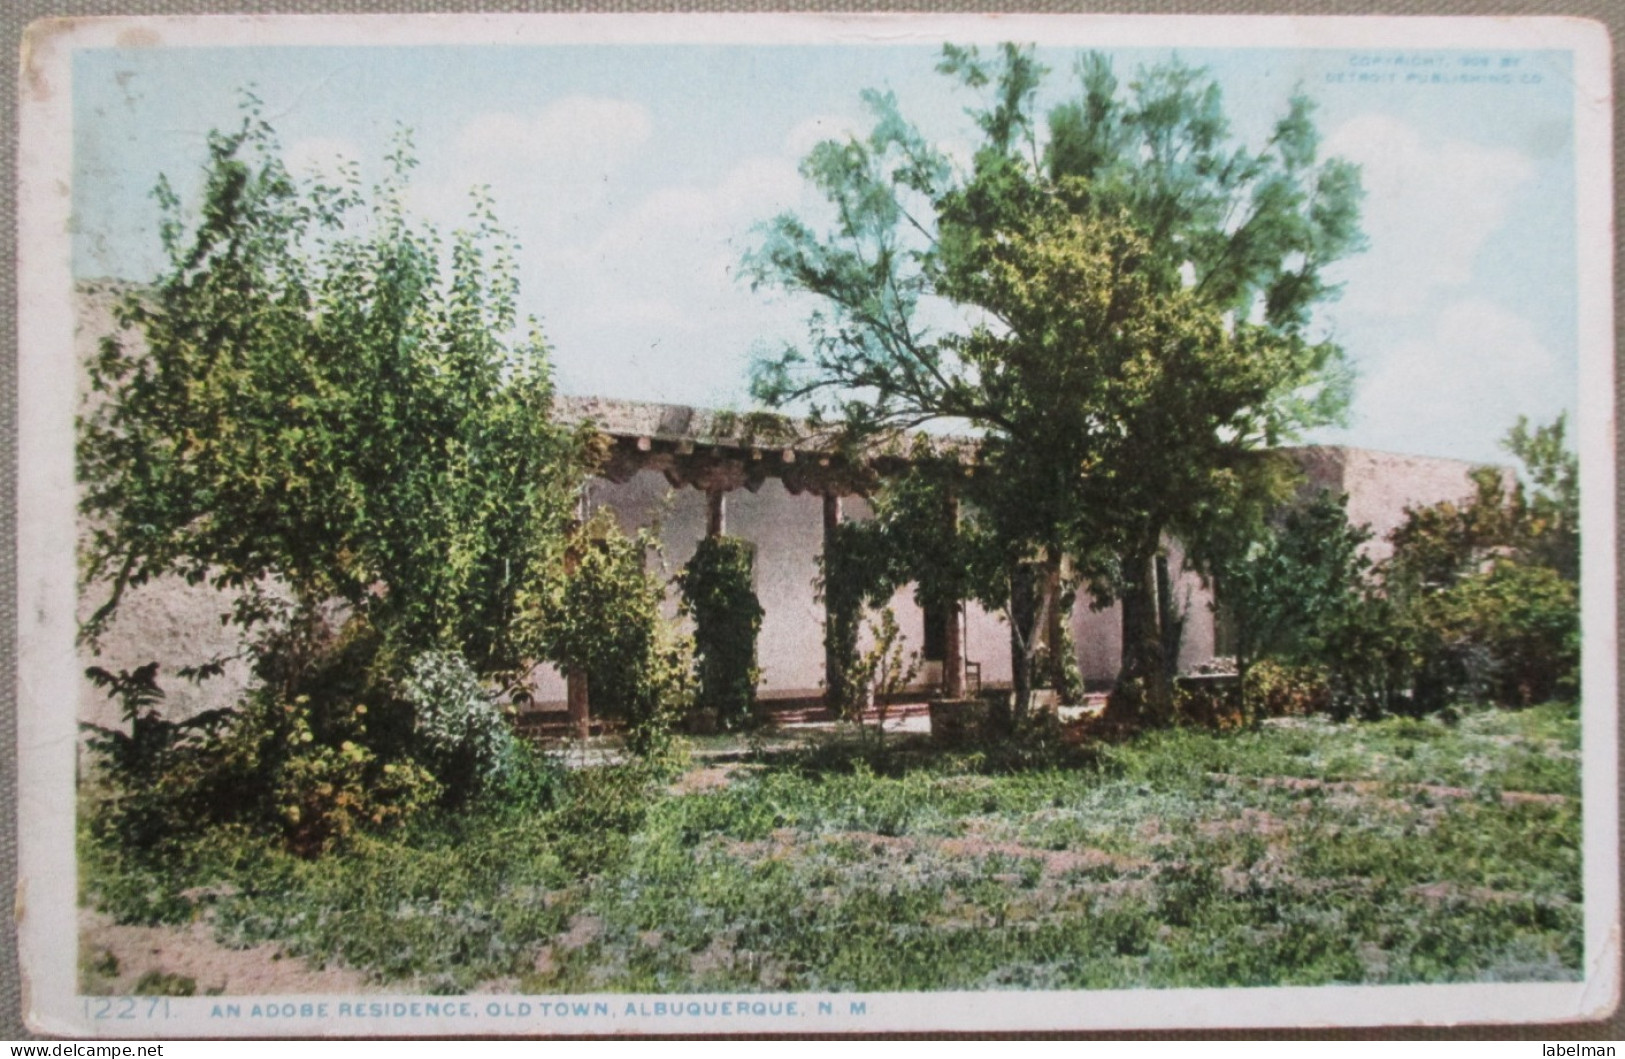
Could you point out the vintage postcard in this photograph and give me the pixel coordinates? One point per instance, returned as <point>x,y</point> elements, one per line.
<point>684,524</point>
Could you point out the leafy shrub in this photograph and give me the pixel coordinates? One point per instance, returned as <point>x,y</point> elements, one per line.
<point>153,772</point>
<point>717,594</point>
<point>606,622</point>
<point>460,732</point>
<point>1205,705</point>
<point>323,794</point>
<point>529,784</point>
<point>883,671</point>
<point>303,765</point>
<point>1520,624</point>
<point>1373,656</point>
<point>1270,689</point>
<point>1287,587</point>
<point>1276,690</point>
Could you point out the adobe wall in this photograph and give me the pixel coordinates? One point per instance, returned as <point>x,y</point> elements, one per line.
<point>179,623</point>
<point>1098,634</point>
<point>1382,486</point>
<point>168,619</point>
<point>788,533</point>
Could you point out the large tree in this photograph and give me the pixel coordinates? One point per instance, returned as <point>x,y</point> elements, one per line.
<point>321,407</point>
<point>1119,306</point>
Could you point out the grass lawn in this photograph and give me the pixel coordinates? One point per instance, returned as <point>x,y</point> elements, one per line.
<point>1304,852</point>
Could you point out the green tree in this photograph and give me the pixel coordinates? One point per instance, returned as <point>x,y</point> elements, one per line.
<point>1131,297</point>
<point>1489,588</point>
<point>1294,585</point>
<point>325,409</point>
<point>1547,497</point>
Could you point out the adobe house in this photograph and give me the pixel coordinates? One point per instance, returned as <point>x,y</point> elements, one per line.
<point>694,472</point>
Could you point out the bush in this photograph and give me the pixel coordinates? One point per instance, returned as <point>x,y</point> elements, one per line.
<point>460,732</point>
<point>311,775</point>
<point>606,623</point>
<point>154,772</point>
<point>1270,689</point>
<point>857,568</point>
<point>717,594</point>
<point>1276,690</point>
<point>312,755</point>
<point>1373,655</point>
<point>1516,627</point>
<point>884,670</point>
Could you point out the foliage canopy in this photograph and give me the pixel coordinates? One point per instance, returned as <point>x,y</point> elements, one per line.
<point>318,402</point>
<point>1120,308</point>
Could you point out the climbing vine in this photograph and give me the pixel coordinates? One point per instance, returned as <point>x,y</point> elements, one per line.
<point>860,568</point>
<point>717,594</point>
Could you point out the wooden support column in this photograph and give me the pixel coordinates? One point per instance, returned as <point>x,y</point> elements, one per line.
<point>575,692</point>
<point>575,681</point>
<point>833,678</point>
<point>953,642</point>
<point>716,513</point>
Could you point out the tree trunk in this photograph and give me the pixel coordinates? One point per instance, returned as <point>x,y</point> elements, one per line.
<point>1023,608</point>
<point>1033,591</point>
<point>1243,666</point>
<point>1144,694</point>
<point>1170,620</point>
<point>953,645</point>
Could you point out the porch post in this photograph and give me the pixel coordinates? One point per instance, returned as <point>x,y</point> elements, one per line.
<point>716,513</point>
<point>575,692</point>
<point>575,680</point>
<point>834,679</point>
<point>953,643</point>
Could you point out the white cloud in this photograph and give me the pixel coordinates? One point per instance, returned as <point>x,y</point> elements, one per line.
<point>584,135</point>
<point>653,307</point>
<point>1445,393</point>
<point>1429,209</point>
<point>548,170</point>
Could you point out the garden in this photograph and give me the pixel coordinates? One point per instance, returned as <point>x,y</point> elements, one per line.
<point>338,418</point>
<point>1301,852</point>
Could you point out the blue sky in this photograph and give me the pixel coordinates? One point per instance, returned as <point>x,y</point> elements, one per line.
<point>633,175</point>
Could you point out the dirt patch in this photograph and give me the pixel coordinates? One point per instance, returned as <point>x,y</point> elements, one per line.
<point>700,780</point>
<point>1250,822</point>
<point>1449,891</point>
<point>778,846</point>
<point>1368,787</point>
<point>116,957</point>
<point>583,931</point>
<point>1054,861</point>
<point>1531,798</point>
